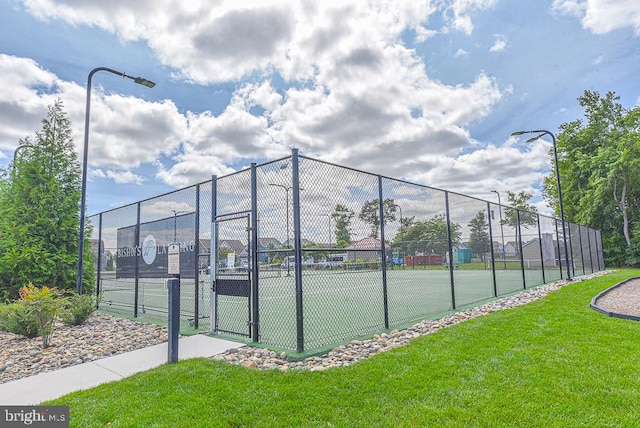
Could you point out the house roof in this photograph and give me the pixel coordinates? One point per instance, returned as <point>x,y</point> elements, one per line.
<point>368,243</point>
<point>236,245</point>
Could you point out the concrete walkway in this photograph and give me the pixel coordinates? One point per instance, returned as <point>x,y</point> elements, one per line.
<point>35,389</point>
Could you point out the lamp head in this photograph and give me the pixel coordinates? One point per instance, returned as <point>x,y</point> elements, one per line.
<point>144,82</point>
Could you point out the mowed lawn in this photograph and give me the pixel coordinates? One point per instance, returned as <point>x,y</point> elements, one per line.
<point>552,363</point>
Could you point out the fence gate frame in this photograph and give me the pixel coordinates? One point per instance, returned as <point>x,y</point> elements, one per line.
<point>235,283</point>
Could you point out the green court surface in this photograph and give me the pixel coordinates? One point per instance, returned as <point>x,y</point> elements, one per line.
<point>337,306</point>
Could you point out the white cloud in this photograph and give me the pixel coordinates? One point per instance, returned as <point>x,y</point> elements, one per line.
<point>353,93</point>
<point>118,177</point>
<point>499,44</point>
<point>602,16</point>
<point>460,52</point>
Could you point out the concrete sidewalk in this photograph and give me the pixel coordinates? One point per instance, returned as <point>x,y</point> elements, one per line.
<point>35,389</point>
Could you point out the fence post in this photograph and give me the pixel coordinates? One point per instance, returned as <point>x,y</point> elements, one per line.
<point>493,259</point>
<point>519,233</point>
<point>544,281</point>
<point>450,245</point>
<point>383,252</point>
<point>196,267</point>
<point>573,263</point>
<point>297,248</point>
<point>173,327</point>
<point>255,322</point>
<point>590,253</point>
<point>213,255</point>
<point>555,221</point>
<point>584,272</point>
<point>100,251</point>
<point>135,267</point>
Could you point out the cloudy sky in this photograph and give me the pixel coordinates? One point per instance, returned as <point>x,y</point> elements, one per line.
<point>428,91</point>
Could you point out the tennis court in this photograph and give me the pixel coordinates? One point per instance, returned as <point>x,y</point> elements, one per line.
<point>338,305</point>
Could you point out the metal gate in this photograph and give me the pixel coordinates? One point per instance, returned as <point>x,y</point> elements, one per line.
<point>231,267</point>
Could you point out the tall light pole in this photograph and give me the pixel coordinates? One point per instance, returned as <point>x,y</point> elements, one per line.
<point>504,257</point>
<point>286,189</point>
<point>15,156</point>
<point>175,224</point>
<point>139,80</point>
<point>540,133</point>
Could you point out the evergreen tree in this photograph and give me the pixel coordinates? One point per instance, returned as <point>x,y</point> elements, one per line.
<point>342,217</point>
<point>40,211</point>
<point>479,241</point>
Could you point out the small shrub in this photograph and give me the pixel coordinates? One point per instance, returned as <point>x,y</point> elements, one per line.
<point>18,318</point>
<point>45,303</point>
<point>77,308</point>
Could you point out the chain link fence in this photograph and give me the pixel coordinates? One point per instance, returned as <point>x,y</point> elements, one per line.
<point>302,254</point>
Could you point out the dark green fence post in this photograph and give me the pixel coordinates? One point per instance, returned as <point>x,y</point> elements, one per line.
<point>544,281</point>
<point>255,322</point>
<point>137,260</point>
<point>519,233</point>
<point>493,259</point>
<point>297,242</point>
<point>383,252</point>
<point>450,245</point>
<point>100,251</point>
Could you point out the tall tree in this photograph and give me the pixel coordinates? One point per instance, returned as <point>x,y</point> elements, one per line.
<point>342,217</point>
<point>430,236</point>
<point>479,241</point>
<point>370,214</point>
<point>528,213</point>
<point>39,230</point>
<point>599,160</point>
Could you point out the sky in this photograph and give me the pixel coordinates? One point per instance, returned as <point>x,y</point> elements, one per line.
<point>423,90</point>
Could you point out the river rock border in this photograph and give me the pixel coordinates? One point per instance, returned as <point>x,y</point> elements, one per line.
<point>358,350</point>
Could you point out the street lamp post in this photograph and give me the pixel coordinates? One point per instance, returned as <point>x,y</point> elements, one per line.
<point>175,224</point>
<point>15,156</point>
<point>504,257</point>
<point>138,80</point>
<point>286,189</point>
<point>540,133</point>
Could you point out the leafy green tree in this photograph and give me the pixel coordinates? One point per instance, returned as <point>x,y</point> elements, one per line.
<point>528,212</point>
<point>342,217</point>
<point>40,211</point>
<point>430,236</point>
<point>479,241</point>
<point>599,161</point>
<point>370,213</point>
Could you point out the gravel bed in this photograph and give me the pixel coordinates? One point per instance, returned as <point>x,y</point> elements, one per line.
<point>624,299</point>
<point>358,350</point>
<point>106,335</point>
<point>100,336</point>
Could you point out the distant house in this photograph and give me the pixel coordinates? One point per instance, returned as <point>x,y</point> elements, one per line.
<point>234,245</point>
<point>367,249</point>
<point>270,243</point>
<point>531,251</point>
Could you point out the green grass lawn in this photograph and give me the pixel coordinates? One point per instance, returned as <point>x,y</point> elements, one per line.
<point>552,363</point>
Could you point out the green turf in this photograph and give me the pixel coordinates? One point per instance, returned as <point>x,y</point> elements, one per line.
<point>552,363</point>
<point>337,305</point>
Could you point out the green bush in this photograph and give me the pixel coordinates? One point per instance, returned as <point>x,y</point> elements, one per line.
<point>77,308</point>
<point>19,318</point>
<point>45,303</point>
